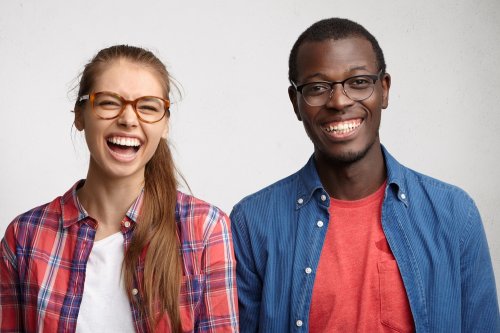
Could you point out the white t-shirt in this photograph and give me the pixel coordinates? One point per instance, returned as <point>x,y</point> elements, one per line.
<point>105,306</point>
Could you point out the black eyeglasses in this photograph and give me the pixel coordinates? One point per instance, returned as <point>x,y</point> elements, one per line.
<point>108,105</point>
<point>357,88</point>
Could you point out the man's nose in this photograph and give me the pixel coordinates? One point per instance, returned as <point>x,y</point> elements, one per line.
<point>338,99</point>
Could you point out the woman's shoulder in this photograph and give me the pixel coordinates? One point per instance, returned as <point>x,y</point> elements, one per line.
<point>198,218</point>
<point>45,218</point>
<point>41,220</point>
<point>192,206</point>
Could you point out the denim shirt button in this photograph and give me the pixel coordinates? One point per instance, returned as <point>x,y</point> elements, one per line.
<point>403,196</point>
<point>300,201</point>
<point>323,197</point>
<point>308,270</point>
<point>299,323</point>
<point>320,224</point>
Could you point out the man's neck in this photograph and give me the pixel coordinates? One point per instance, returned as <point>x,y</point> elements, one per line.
<point>353,181</point>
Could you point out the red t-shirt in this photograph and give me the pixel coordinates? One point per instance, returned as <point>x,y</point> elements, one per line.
<point>358,287</point>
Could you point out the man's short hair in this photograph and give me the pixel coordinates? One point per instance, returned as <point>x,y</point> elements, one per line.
<point>335,29</point>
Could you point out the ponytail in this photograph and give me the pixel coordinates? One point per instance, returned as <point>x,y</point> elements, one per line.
<point>156,229</point>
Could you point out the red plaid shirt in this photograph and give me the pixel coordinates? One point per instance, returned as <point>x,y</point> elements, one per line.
<point>44,254</point>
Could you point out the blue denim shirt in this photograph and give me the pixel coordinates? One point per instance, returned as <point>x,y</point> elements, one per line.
<point>434,231</point>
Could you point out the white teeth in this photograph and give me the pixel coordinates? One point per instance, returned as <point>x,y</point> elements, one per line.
<point>129,142</point>
<point>343,127</point>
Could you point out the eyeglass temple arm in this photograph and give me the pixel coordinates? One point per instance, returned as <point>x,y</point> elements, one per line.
<point>83,98</point>
<point>294,85</point>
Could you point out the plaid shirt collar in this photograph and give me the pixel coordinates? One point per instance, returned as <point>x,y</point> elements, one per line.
<point>73,212</point>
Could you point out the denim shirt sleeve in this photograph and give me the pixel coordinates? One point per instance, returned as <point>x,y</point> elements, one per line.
<point>479,299</point>
<point>436,235</point>
<point>248,281</point>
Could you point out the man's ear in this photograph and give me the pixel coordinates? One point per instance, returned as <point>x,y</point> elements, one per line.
<point>79,121</point>
<point>292,93</point>
<point>386,86</point>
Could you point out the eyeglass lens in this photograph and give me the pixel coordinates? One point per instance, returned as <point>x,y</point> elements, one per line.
<point>356,88</point>
<point>109,106</point>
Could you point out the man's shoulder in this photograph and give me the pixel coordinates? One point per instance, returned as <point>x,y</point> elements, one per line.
<point>438,193</point>
<point>433,185</point>
<point>417,182</point>
<point>278,190</point>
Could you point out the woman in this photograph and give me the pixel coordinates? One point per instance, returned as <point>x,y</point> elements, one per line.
<point>104,257</point>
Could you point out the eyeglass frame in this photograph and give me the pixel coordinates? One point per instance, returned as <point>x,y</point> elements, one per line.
<point>374,77</point>
<point>91,97</point>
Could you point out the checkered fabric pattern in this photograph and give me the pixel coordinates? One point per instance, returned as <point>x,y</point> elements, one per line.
<point>44,253</point>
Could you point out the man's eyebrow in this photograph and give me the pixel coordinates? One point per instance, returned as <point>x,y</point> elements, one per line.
<point>321,75</point>
<point>354,68</point>
<point>312,76</point>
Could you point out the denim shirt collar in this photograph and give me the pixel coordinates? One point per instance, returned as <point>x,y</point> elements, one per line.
<point>395,177</point>
<point>310,185</point>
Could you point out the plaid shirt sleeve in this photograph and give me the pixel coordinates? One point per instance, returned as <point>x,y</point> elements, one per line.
<point>209,285</point>
<point>10,318</point>
<point>218,312</point>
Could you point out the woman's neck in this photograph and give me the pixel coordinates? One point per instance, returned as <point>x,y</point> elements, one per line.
<point>107,200</point>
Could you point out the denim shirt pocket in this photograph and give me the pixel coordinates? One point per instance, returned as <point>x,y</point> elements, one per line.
<point>395,310</point>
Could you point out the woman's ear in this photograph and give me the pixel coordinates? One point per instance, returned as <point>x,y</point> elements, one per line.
<point>165,131</point>
<point>79,121</point>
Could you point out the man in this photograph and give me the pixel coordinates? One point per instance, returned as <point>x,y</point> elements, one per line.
<point>354,241</point>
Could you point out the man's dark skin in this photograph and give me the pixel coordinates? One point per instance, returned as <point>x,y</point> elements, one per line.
<point>350,165</point>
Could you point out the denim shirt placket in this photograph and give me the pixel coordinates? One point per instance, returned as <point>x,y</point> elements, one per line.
<point>312,218</point>
<point>394,216</point>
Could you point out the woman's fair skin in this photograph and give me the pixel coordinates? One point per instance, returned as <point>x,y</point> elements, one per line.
<point>116,174</point>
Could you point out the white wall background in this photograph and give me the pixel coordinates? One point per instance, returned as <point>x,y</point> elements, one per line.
<point>234,130</point>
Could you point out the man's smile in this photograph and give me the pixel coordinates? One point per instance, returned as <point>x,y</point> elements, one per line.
<point>342,128</point>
